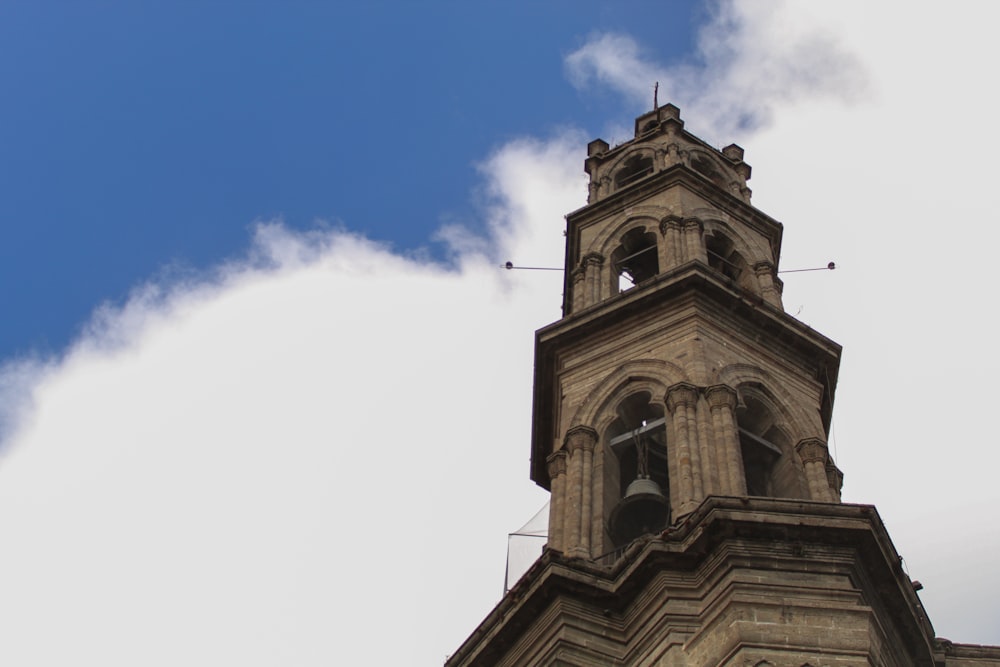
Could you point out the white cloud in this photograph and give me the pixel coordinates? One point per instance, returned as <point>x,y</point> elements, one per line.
<point>274,463</point>
<point>752,58</point>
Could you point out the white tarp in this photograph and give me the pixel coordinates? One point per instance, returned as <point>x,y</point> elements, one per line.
<point>524,546</point>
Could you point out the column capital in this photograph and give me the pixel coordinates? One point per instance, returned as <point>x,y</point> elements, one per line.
<point>690,223</point>
<point>681,393</point>
<point>671,222</point>
<point>580,437</point>
<point>763,268</point>
<point>556,462</point>
<point>721,396</point>
<point>591,259</point>
<point>835,477</point>
<point>812,449</point>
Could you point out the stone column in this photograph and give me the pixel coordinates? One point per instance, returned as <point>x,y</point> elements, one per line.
<point>672,157</point>
<point>592,265</point>
<point>722,402</point>
<point>680,398</point>
<point>577,280</point>
<point>765,280</point>
<point>672,248</point>
<point>556,463</point>
<point>710,467</point>
<point>812,452</point>
<point>695,247</point>
<point>835,478</point>
<point>580,442</point>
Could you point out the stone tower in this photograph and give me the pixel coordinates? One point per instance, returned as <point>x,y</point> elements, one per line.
<point>680,423</point>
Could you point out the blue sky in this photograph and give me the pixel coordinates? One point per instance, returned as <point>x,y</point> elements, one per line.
<point>147,137</point>
<point>249,263</point>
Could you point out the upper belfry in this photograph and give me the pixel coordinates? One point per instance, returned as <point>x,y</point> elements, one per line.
<point>661,142</point>
<point>659,201</point>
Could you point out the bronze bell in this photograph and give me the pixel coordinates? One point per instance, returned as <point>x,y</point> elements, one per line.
<point>643,510</point>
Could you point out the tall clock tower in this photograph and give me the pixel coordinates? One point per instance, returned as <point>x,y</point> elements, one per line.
<point>680,423</point>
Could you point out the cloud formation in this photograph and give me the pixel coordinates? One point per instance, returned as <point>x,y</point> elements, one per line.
<point>271,463</point>
<point>752,57</point>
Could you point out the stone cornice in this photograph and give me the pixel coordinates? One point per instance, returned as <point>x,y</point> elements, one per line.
<point>716,526</point>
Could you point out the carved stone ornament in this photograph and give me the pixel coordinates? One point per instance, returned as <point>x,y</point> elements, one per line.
<point>671,222</point>
<point>681,393</point>
<point>556,462</point>
<point>580,437</point>
<point>812,449</point>
<point>763,268</point>
<point>694,223</point>
<point>721,396</point>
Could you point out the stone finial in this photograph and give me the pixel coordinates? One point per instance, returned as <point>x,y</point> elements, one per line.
<point>733,152</point>
<point>597,147</point>
<point>668,110</point>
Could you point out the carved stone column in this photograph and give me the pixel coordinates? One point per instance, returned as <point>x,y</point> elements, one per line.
<point>681,398</point>
<point>672,249</point>
<point>695,247</point>
<point>580,441</point>
<point>835,478</point>
<point>814,457</point>
<point>671,158</point>
<point>722,402</point>
<point>556,463</point>
<point>592,264</point>
<point>577,283</point>
<point>765,280</point>
<point>710,460</point>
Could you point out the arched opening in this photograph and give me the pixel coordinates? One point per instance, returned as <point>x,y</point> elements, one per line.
<point>636,259</point>
<point>724,258</point>
<point>634,168</point>
<point>768,468</point>
<point>704,166</point>
<point>637,477</point>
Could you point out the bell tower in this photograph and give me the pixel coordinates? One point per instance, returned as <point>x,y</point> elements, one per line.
<point>674,374</point>
<point>680,422</point>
